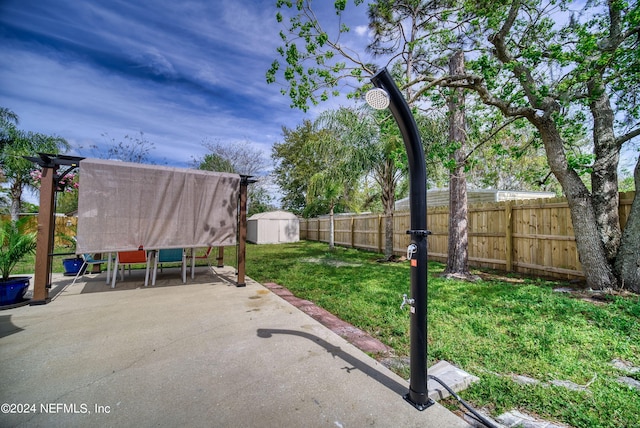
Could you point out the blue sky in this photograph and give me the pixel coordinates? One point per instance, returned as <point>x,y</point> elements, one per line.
<point>182,72</point>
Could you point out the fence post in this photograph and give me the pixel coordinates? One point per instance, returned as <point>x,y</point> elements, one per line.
<point>508,235</point>
<point>380,238</point>
<point>353,233</point>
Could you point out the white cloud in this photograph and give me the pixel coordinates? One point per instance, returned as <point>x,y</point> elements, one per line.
<point>181,72</point>
<point>361,30</point>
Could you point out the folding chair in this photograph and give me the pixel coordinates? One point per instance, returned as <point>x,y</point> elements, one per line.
<point>192,255</point>
<point>172,255</point>
<point>129,258</point>
<point>90,261</point>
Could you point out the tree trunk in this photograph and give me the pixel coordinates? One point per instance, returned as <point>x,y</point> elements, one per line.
<point>388,236</point>
<point>16,199</point>
<point>457,257</point>
<point>595,265</point>
<point>457,248</point>
<point>604,178</point>
<point>627,264</point>
<point>387,182</point>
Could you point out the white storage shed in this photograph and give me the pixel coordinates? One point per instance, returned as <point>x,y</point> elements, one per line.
<point>273,227</point>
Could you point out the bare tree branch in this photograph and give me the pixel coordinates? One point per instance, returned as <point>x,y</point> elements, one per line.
<point>490,136</point>
<point>628,136</point>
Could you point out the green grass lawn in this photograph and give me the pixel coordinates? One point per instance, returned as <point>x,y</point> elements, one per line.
<point>27,264</point>
<point>494,329</point>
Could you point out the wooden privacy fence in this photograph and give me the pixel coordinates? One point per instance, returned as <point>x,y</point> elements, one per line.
<point>530,236</point>
<point>65,229</point>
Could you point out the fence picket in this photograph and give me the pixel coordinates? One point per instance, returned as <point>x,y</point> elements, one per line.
<point>526,236</point>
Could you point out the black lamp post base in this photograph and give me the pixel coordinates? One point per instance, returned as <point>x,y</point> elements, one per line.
<point>419,406</point>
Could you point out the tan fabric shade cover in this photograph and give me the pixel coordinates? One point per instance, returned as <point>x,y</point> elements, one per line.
<point>123,206</point>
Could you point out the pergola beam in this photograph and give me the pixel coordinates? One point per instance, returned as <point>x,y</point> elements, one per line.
<point>46,223</point>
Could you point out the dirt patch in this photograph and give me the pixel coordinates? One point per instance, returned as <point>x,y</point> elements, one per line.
<point>596,297</point>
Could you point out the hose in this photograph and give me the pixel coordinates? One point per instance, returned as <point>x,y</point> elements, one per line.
<point>481,418</point>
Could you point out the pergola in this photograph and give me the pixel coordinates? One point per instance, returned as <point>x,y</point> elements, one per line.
<point>125,206</point>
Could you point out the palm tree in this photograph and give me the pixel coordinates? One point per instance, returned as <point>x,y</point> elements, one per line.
<point>8,116</point>
<point>17,143</point>
<point>343,153</point>
<point>368,143</point>
<point>14,245</point>
<point>8,120</point>
<point>327,187</point>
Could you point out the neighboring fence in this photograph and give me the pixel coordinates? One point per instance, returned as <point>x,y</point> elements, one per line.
<point>531,236</point>
<point>65,228</point>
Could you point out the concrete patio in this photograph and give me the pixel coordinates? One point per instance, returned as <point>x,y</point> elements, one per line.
<point>201,354</point>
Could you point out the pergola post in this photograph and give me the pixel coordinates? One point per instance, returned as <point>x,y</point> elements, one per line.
<point>46,224</point>
<point>44,244</point>
<point>245,180</point>
<point>220,257</point>
<point>242,230</point>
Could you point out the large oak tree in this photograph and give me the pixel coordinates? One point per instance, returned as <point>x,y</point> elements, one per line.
<point>564,71</point>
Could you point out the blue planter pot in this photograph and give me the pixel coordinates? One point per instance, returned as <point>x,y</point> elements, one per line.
<point>12,290</point>
<point>71,266</point>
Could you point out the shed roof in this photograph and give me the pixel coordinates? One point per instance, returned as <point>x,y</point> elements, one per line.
<point>274,215</point>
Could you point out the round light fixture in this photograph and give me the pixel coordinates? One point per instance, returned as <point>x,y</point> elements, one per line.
<point>377,98</point>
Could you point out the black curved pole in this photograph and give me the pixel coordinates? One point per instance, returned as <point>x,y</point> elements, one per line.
<point>417,395</point>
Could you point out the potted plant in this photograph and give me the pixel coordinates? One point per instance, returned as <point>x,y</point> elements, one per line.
<point>14,245</point>
<point>71,265</point>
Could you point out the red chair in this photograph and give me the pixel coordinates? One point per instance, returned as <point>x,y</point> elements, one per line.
<point>193,256</point>
<point>128,258</point>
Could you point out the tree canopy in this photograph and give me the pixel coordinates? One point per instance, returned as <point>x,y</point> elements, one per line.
<point>18,143</point>
<point>569,72</point>
<point>136,149</point>
<point>241,158</point>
